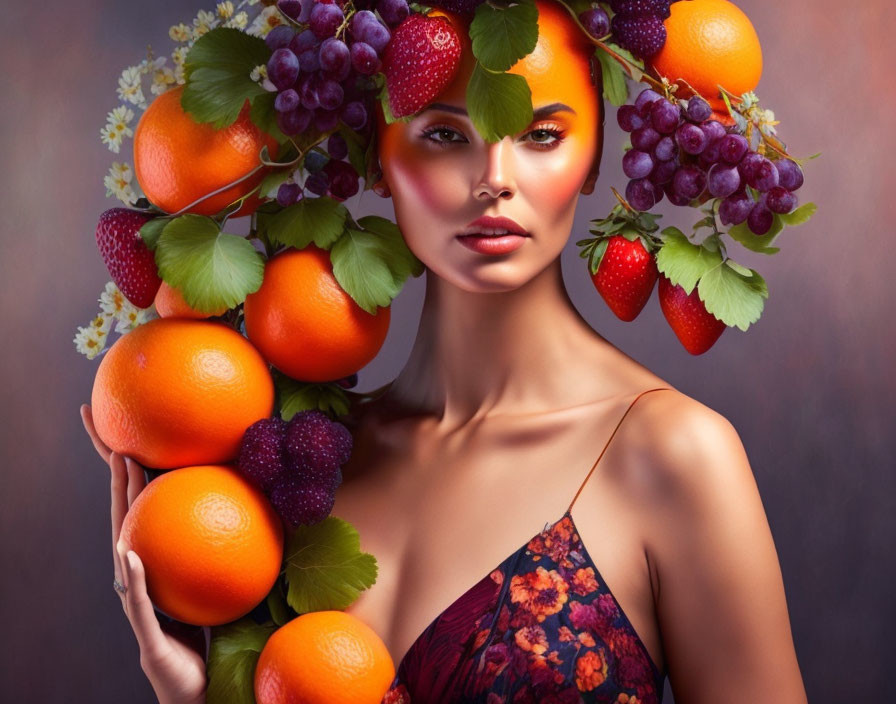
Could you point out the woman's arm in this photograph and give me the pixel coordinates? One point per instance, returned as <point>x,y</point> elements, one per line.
<point>720,598</point>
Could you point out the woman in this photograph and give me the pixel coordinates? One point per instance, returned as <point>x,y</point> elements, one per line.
<point>492,429</point>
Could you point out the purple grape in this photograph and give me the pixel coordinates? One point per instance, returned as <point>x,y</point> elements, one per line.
<point>330,95</point>
<point>628,118</point>
<point>790,175</point>
<point>645,138</point>
<point>735,209</point>
<point>711,155</point>
<point>288,193</point>
<point>714,130</point>
<point>308,94</point>
<point>393,12</point>
<point>317,183</point>
<point>723,180</point>
<point>780,200</point>
<point>294,122</point>
<point>364,59</point>
<point>309,61</point>
<point>354,115</point>
<point>674,198</point>
<point>664,116</point>
<point>325,120</point>
<point>344,182</point>
<point>645,99</point>
<point>637,164</point>
<point>665,149</point>
<point>763,176</point>
<point>377,35</point>
<point>303,41</point>
<point>689,181</point>
<point>333,55</point>
<point>640,194</point>
<point>286,101</point>
<point>663,172</point>
<point>290,8</point>
<point>336,146</point>
<point>760,219</point>
<point>359,22</point>
<point>595,21</point>
<point>283,68</point>
<point>315,161</point>
<point>300,502</point>
<point>733,147</point>
<point>747,165</point>
<point>325,19</point>
<point>698,110</point>
<point>279,37</point>
<point>691,138</point>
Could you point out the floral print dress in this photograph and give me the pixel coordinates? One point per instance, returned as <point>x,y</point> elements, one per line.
<point>541,628</point>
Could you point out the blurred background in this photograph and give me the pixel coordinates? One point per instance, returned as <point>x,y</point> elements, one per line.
<point>810,387</point>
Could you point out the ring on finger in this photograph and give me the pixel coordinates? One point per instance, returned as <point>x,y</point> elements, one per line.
<point>119,587</point>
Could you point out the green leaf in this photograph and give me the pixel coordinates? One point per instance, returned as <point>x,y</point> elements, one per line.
<point>682,261</point>
<point>357,156</point>
<point>499,104</point>
<point>319,220</point>
<point>325,568</point>
<point>271,183</point>
<point>371,265</point>
<point>217,70</point>
<point>758,243</point>
<point>276,603</point>
<point>264,116</point>
<point>233,653</point>
<point>615,87</point>
<point>295,396</point>
<point>151,231</point>
<point>211,268</point>
<point>502,36</point>
<point>733,297</point>
<point>800,215</point>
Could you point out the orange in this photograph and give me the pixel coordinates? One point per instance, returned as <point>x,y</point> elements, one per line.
<point>210,541</point>
<point>178,160</point>
<point>323,657</point>
<point>305,324</point>
<point>175,392</point>
<point>710,42</point>
<point>170,303</point>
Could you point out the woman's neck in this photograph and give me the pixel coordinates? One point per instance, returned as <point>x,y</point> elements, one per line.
<point>479,355</point>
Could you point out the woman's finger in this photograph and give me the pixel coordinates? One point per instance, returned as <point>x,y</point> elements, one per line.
<point>152,641</point>
<point>119,496</point>
<point>136,479</point>
<point>87,419</point>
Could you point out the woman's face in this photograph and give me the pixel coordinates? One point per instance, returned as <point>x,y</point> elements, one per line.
<point>443,175</point>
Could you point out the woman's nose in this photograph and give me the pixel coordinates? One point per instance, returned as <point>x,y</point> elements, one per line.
<point>498,180</point>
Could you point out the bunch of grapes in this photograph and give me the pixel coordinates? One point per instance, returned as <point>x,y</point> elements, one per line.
<point>638,25</point>
<point>321,67</point>
<point>298,464</point>
<point>681,152</point>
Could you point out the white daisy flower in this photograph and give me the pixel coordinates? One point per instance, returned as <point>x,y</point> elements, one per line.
<point>131,317</point>
<point>181,32</point>
<point>111,137</point>
<point>265,22</point>
<point>112,301</point>
<point>238,21</point>
<point>118,183</point>
<point>129,88</point>
<point>117,128</point>
<point>161,80</point>
<point>225,10</point>
<point>203,22</point>
<point>88,343</point>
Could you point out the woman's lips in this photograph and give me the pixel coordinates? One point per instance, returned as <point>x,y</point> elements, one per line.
<point>492,244</point>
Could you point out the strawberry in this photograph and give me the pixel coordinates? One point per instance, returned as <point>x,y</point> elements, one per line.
<point>420,60</point>
<point>625,277</point>
<point>130,262</point>
<point>696,328</point>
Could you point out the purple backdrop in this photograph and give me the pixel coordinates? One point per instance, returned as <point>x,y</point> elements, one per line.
<point>809,387</point>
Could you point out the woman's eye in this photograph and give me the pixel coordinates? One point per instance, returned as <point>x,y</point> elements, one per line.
<point>544,133</point>
<point>428,134</point>
<point>544,138</point>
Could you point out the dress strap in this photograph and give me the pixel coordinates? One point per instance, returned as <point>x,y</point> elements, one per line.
<point>594,466</point>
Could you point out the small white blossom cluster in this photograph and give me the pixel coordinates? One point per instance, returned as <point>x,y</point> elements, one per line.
<point>163,77</point>
<point>91,340</point>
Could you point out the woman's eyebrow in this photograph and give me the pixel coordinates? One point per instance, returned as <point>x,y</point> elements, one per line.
<point>537,114</point>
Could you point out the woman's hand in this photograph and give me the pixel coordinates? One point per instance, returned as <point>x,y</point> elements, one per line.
<point>174,658</point>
